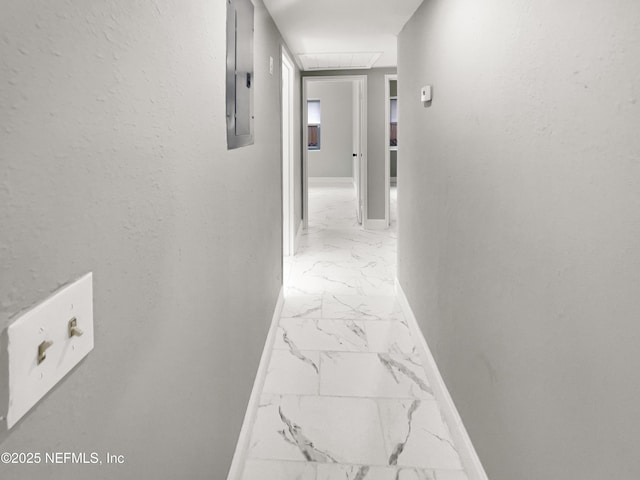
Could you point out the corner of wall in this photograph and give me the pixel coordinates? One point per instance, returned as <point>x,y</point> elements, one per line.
<point>468,455</point>
<point>241,451</point>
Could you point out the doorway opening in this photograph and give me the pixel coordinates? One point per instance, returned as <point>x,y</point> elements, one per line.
<point>391,147</point>
<point>354,158</point>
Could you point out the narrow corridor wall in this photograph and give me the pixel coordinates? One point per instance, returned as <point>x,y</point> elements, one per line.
<point>519,226</point>
<point>113,160</point>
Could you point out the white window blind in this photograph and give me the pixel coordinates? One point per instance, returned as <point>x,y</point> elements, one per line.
<point>313,112</point>
<point>394,110</point>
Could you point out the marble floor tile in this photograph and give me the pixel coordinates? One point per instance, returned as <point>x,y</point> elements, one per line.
<point>345,396</point>
<point>328,471</point>
<point>318,429</point>
<point>315,334</point>
<point>345,278</point>
<point>309,306</point>
<point>293,371</point>
<point>372,375</point>
<point>415,435</point>
<point>360,307</point>
<point>330,250</point>
<point>335,245</point>
<point>391,337</point>
<point>278,470</point>
<point>355,472</point>
<point>450,475</point>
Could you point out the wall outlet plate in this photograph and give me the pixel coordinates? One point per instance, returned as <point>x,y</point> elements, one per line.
<point>44,331</point>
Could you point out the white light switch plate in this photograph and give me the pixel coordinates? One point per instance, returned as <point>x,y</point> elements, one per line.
<point>49,321</point>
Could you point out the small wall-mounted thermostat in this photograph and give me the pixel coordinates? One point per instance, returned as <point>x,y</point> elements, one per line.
<point>425,93</point>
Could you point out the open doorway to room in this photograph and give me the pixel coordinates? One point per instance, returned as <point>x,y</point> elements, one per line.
<point>334,144</point>
<point>391,148</point>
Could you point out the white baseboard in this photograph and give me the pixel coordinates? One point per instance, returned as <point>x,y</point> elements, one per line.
<point>296,242</point>
<point>468,455</point>
<point>375,224</point>
<point>240,454</point>
<point>329,180</point>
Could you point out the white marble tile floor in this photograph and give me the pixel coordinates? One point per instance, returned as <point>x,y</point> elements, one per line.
<point>346,396</point>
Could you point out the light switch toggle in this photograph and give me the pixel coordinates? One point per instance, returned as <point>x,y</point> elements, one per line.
<point>74,331</point>
<point>425,93</point>
<point>42,348</point>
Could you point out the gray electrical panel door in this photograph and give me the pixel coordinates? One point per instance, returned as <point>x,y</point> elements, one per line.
<point>239,73</point>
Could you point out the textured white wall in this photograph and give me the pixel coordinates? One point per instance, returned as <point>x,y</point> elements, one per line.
<point>336,130</point>
<point>519,226</point>
<point>113,159</point>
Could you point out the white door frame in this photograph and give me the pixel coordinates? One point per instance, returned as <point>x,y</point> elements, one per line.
<point>387,151</point>
<point>361,82</point>
<point>356,148</point>
<point>288,198</point>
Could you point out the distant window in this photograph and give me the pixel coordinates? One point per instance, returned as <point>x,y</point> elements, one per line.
<point>313,124</point>
<point>393,134</point>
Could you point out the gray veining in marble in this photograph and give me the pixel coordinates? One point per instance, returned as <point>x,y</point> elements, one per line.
<point>317,334</point>
<point>371,375</point>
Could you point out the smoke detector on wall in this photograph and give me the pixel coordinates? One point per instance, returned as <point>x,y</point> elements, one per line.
<point>338,61</point>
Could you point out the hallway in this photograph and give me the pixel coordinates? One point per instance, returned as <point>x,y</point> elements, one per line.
<point>346,396</point>
<point>141,147</point>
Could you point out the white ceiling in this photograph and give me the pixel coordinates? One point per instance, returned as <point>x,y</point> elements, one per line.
<point>342,33</point>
